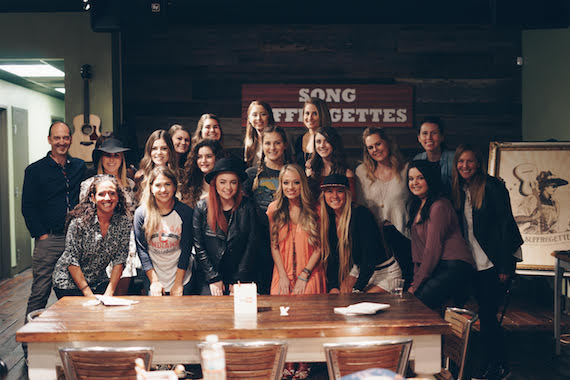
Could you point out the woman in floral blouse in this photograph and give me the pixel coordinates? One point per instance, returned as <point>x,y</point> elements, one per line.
<point>97,234</point>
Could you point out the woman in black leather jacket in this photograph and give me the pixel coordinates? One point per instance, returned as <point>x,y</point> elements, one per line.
<point>224,230</point>
<point>492,234</point>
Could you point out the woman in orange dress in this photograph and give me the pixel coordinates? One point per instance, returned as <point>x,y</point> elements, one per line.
<point>295,244</point>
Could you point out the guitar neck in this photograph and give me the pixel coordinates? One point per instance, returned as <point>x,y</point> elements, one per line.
<point>86,101</point>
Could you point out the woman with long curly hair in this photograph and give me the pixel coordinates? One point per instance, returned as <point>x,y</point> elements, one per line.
<point>259,117</point>
<point>209,128</point>
<point>353,251</point>
<point>381,187</point>
<point>201,161</point>
<point>98,233</point>
<point>328,158</point>
<point>110,159</point>
<point>316,115</point>
<point>163,233</point>
<point>158,151</point>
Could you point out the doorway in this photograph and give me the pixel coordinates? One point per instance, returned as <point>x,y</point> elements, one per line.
<point>20,160</point>
<point>5,259</point>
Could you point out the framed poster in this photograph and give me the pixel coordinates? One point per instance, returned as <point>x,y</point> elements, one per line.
<point>537,176</point>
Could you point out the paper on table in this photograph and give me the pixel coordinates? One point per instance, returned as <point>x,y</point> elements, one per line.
<point>114,301</point>
<point>361,308</point>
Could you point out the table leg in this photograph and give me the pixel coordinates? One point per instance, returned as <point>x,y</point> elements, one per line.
<point>558,271</point>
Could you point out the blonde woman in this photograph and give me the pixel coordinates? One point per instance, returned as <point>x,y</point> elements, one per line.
<point>259,117</point>
<point>163,233</point>
<point>353,251</point>
<point>381,187</point>
<point>295,244</point>
<point>295,240</point>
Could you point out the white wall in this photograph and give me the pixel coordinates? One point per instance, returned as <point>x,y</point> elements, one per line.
<point>66,36</point>
<point>546,85</point>
<point>40,108</point>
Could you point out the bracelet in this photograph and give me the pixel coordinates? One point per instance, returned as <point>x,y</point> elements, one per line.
<point>307,271</point>
<point>302,279</point>
<point>85,287</point>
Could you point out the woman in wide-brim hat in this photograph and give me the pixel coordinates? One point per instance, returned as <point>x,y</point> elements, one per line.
<point>353,250</point>
<point>225,230</point>
<point>109,158</point>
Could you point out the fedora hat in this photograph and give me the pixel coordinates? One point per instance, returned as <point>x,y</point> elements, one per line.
<point>111,145</point>
<point>335,180</point>
<point>228,164</point>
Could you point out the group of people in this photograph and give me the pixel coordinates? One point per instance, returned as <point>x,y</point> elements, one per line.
<point>196,220</point>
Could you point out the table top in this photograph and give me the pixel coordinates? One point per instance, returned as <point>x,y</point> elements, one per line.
<point>562,255</point>
<point>194,317</point>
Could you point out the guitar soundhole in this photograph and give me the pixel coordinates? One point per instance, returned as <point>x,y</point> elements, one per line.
<point>87,130</point>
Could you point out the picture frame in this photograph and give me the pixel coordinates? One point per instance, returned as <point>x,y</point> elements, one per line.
<point>537,176</point>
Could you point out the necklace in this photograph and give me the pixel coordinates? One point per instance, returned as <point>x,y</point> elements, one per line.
<point>383,178</point>
<point>383,187</point>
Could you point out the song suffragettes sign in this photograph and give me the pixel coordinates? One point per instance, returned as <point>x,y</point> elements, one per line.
<point>349,105</point>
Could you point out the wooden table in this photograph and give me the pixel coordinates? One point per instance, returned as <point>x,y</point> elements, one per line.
<point>562,264</point>
<point>174,325</point>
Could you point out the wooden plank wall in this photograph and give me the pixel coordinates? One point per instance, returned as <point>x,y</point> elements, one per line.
<point>466,74</point>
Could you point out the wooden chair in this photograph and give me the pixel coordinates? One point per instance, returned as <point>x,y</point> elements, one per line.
<point>103,362</point>
<point>254,360</point>
<point>346,358</point>
<point>456,344</point>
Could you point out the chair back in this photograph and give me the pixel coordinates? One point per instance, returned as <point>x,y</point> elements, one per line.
<point>103,362</point>
<point>456,344</point>
<point>254,360</point>
<point>346,358</point>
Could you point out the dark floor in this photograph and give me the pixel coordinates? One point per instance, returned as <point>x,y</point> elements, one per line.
<point>528,325</point>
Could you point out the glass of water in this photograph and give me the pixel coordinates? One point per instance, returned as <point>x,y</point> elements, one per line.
<point>398,287</point>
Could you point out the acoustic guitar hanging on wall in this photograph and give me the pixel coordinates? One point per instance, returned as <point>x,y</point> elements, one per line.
<point>87,126</point>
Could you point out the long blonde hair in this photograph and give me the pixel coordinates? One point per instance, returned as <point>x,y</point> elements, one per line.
<point>396,158</point>
<point>251,140</point>
<point>477,183</point>
<point>343,233</point>
<point>308,218</point>
<point>153,217</point>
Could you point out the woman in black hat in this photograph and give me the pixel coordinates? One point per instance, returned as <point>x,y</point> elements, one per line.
<point>224,230</point>
<point>109,158</point>
<point>353,250</point>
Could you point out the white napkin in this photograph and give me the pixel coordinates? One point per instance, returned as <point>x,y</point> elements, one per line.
<point>361,308</point>
<point>114,301</point>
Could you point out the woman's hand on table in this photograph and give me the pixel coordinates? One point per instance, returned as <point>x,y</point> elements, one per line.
<point>217,288</point>
<point>300,286</point>
<point>411,289</point>
<point>284,285</point>
<point>176,289</point>
<point>156,289</point>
